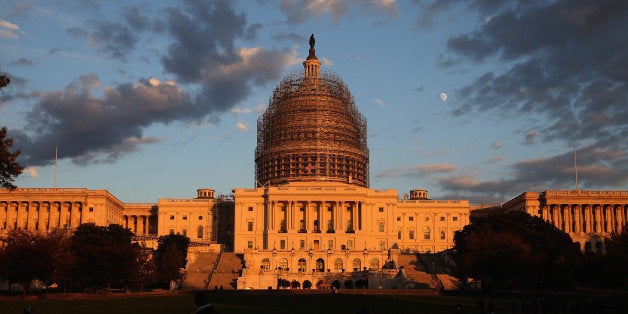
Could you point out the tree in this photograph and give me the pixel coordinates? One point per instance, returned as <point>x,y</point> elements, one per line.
<point>516,250</point>
<point>609,270</point>
<point>170,257</point>
<point>9,167</point>
<point>104,255</point>
<point>25,257</point>
<point>145,270</point>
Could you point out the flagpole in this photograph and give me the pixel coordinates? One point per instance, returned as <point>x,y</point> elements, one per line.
<point>56,161</point>
<point>575,165</point>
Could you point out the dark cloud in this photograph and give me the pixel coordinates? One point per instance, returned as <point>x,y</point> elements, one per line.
<point>570,65</point>
<point>251,32</point>
<point>203,56</point>
<point>23,62</point>
<point>299,11</point>
<point>112,39</point>
<point>293,37</point>
<point>204,53</point>
<point>596,167</point>
<point>98,129</point>
<point>566,69</point>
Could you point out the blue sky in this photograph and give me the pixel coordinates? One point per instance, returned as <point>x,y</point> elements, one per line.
<point>478,100</point>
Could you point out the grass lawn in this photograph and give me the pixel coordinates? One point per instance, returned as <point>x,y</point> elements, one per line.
<point>245,302</point>
<point>261,302</point>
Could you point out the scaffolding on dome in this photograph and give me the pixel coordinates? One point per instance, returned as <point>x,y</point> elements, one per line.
<point>311,131</point>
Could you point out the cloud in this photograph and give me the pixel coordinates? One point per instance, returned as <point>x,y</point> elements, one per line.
<point>95,124</point>
<point>115,40</point>
<point>204,53</point>
<point>443,97</point>
<point>89,129</point>
<point>241,111</point>
<point>569,66</point>
<point>241,126</point>
<point>31,172</point>
<point>23,62</point>
<point>596,168</point>
<point>497,144</point>
<point>8,29</point>
<point>379,102</point>
<point>530,137</point>
<point>416,171</point>
<point>299,11</point>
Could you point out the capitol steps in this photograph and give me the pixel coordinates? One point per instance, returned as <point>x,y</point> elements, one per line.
<point>199,268</point>
<point>226,272</point>
<point>415,271</point>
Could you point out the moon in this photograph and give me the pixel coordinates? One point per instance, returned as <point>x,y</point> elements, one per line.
<point>443,96</point>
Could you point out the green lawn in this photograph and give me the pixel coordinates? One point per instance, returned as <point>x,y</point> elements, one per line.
<point>261,302</point>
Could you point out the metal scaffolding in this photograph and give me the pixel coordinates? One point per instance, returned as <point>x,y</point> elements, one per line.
<point>311,131</point>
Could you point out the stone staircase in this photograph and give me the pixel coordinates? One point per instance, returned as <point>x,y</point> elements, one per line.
<point>226,271</point>
<point>199,268</point>
<point>414,270</point>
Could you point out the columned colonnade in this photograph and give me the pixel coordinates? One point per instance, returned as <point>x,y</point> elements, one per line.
<point>41,215</point>
<point>314,216</point>
<point>586,218</point>
<point>138,224</point>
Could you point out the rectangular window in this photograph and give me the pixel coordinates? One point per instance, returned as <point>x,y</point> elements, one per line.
<point>250,208</point>
<point>171,217</point>
<point>184,232</point>
<point>282,244</point>
<point>250,226</point>
<point>382,245</point>
<point>330,244</point>
<point>381,209</point>
<point>398,218</point>
<point>411,218</point>
<point>184,217</point>
<point>380,226</point>
<point>442,218</point>
<point>442,235</point>
<point>249,244</point>
<point>399,235</point>
<point>349,244</point>
<point>411,234</point>
<point>455,218</point>
<point>301,244</point>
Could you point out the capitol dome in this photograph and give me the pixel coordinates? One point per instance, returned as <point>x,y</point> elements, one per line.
<point>311,131</point>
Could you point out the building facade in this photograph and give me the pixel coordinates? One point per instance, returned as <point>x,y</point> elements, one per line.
<point>312,217</point>
<point>45,209</point>
<point>204,219</point>
<point>587,216</point>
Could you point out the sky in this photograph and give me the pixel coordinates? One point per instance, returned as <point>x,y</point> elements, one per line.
<point>480,100</point>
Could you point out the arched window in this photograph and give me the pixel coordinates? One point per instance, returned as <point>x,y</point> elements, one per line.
<point>265,264</point>
<point>283,264</point>
<point>320,265</point>
<point>374,264</point>
<point>199,232</point>
<point>357,264</point>
<point>302,264</point>
<point>338,265</point>
<point>426,233</point>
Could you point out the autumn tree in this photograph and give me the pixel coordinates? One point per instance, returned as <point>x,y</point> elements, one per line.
<point>26,256</point>
<point>516,251</point>
<point>170,257</point>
